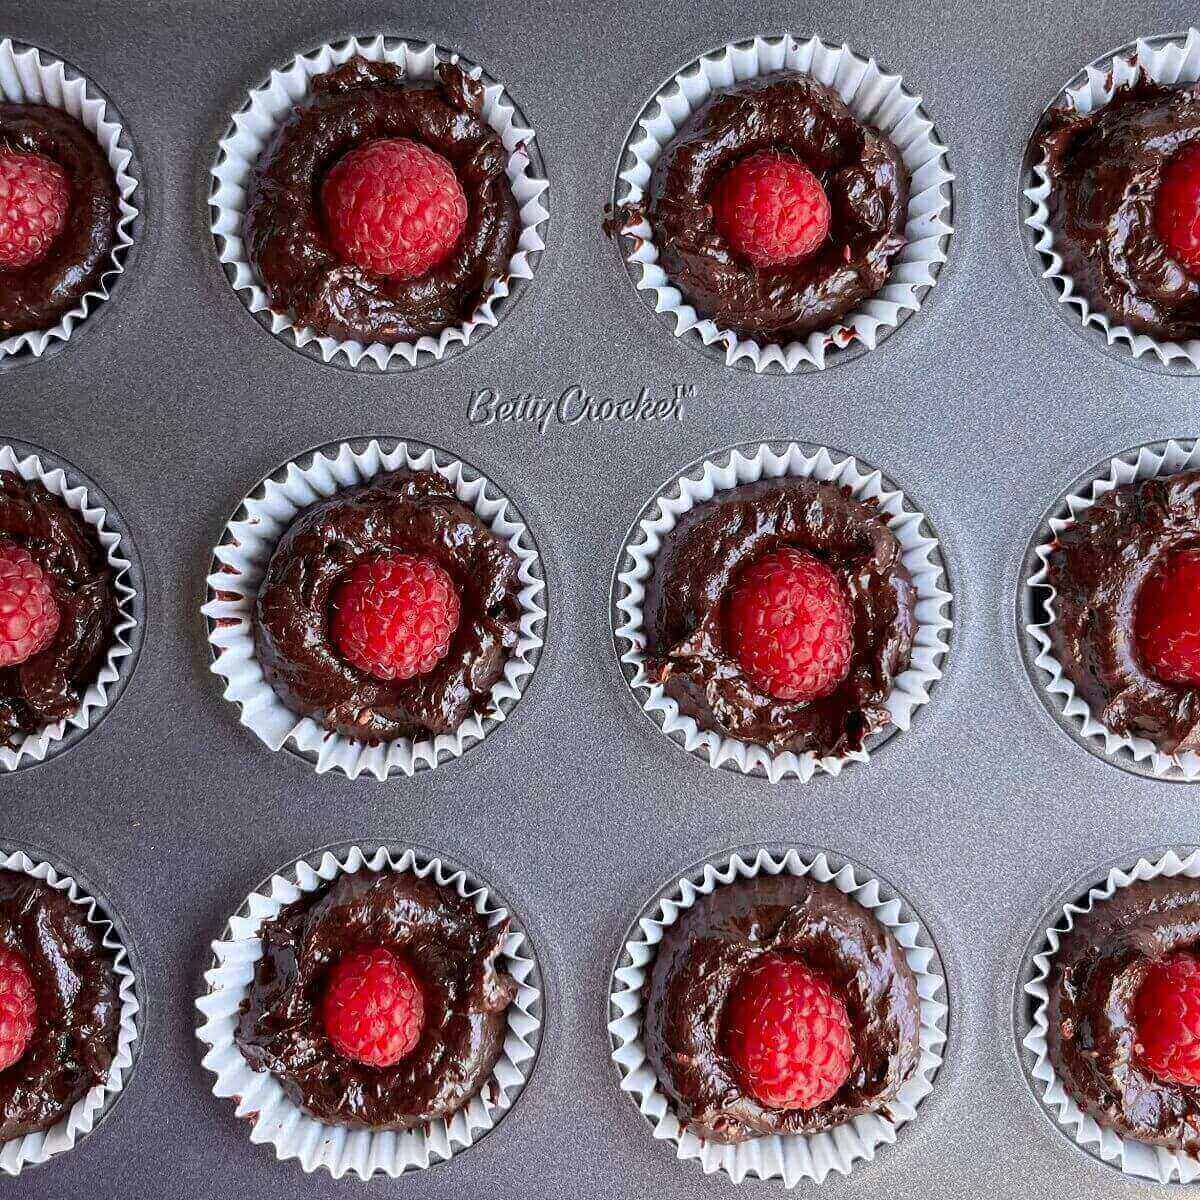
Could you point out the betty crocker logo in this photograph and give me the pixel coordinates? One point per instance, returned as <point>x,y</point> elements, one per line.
<point>577,406</point>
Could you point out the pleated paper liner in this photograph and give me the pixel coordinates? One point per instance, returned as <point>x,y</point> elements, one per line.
<point>274,1119</point>
<point>877,99</point>
<point>253,126</point>
<point>794,1158</point>
<point>749,463</point>
<point>1170,59</point>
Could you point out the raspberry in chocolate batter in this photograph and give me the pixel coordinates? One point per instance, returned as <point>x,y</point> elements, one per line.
<point>849,204</point>
<point>367,278</point>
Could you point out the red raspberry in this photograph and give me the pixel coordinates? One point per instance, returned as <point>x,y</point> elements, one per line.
<point>394,617</point>
<point>18,1007</point>
<point>788,1034</point>
<point>28,611</point>
<point>789,625</point>
<point>1177,211</point>
<point>1166,620</point>
<point>771,209</point>
<point>373,1009</point>
<point>394,206</point>
<point>34,197</point>
<point>1167,1014</point>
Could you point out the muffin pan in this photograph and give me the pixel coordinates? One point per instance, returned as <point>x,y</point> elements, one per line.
<point>982,815</point>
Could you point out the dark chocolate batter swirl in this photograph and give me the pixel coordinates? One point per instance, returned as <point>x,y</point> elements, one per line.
<point>1093,986</point>
<point>860,169</point>
<point>37,296</point>
<point>405,511</point>
<point>454,955</point>
<point>697,966</point>
<point>1104,170</point>
<point>701,558</point>
<point>356,103</point>
<point>78,1010</point>
<point>48,687</point>
<point>1097,565</point>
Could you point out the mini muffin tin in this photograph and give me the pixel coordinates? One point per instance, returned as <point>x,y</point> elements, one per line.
<point>987,407</point>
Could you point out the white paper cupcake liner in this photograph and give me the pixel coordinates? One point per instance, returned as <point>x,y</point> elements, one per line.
<point>748,464</point>
<point>36,747</point>
<point>875,98</point>
<point>31,76</point>
<point>1135,1158</point>
<point>1167,61</point>
<point>253,126</point>
<point>792,1157</point>
<point>240,562</point>
<point>276,1120</point>
<point>34,1148</point>
<point>1146,462</point>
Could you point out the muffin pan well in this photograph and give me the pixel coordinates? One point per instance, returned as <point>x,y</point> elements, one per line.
<point>575,808</point>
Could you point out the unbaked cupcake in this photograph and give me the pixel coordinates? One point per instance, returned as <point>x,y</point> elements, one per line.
<point>779,1005</point>
<point>69,1012</point>
<point>66,199</point>
<point>381,211</point>
<point>59,609</point>
<point>1113,188</point>
<point>1125,628</point>
<point>372,1010</point>
<point>378,1002</point>
<point>780,613</point>
<point>1114,992</point>
<point>1123,203</point>
<point>776,1015</point>
<point>388,610</point>
<point>786,201</point>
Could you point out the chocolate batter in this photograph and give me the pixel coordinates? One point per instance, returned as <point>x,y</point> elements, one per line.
<point>860,170</point>
<point>696,968</point>
<point>49,686</point>
<point>1097,566</point>
<point>1094,982</point>
<point>1104,171</point>
<point>406,511</point>
<point>454,955</point>
<point>37,296</point>
<point>78,1011</point>
<point>356,103</point>
<point>700,560</point>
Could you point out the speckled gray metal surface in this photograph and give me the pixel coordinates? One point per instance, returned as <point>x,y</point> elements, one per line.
<point>984,408</point>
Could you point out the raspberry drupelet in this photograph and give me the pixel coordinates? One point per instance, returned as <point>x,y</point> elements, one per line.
<point>788,1034</point>
<point>394,206</point>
